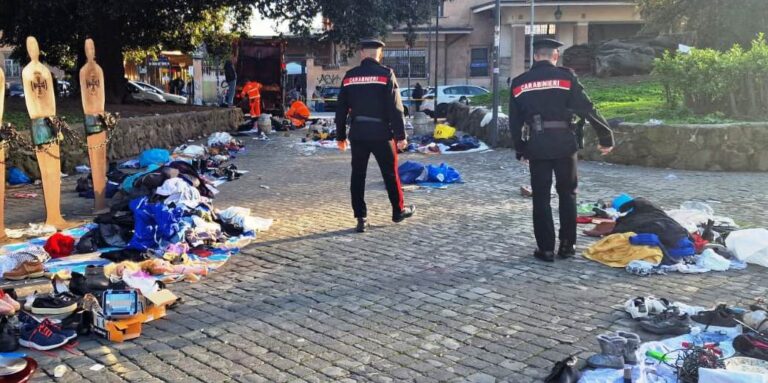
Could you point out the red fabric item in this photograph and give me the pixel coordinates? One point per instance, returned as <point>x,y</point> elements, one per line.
<point>59,245</point>
<point>201,252</point>
<point>699,243</point>
<point>583,219</point>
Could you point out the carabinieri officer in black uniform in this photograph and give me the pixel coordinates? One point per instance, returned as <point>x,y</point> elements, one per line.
<point>370,98</point>
<point>542,107</point>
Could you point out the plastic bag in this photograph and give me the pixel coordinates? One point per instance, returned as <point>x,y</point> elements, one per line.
<point>443,174</point>
<point>219,138</point>
<point>750,245</point>
<point>711,260</point>
<point>443,131</point>
<point>154,157</point>
<point>411,172</point>
<point>17,176</point>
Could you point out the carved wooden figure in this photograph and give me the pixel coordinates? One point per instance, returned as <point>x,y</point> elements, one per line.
<point>41,103</point>
<point>2,162</point>
<point>92,90</point>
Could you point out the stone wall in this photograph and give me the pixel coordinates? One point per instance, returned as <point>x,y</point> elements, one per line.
<point>725,147</point>
<point>133,135</point>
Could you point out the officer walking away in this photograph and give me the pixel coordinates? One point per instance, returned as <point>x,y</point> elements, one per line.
<point>370,99</point>
<point>542,108</point>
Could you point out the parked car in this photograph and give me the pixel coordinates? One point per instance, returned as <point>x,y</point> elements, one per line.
<point>408,104</point>
<point>15,90</point>
<point>330,95</point>
<point>139,93</point>
<point>447,94</point>
<point>169,97</point>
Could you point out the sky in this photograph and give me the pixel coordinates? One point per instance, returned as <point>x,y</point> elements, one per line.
<point>267,27</point>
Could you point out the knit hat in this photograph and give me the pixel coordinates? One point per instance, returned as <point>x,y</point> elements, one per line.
<point>59,245</point>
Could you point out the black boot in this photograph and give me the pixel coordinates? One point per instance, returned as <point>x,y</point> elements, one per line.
<point>546,256</point>
<point>567,250</point>
<point>362,225</point>
<point>405,213</point>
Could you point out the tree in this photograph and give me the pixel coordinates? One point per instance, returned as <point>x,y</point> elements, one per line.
<point>713,23</point>
<point>120,27</point>
<point>116,26</point>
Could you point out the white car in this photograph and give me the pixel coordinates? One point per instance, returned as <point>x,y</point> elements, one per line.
<point>169,97</point>
<point>139,93</point>
<point>447,94</point>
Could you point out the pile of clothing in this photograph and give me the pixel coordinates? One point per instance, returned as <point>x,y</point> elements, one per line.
<point>430,144</point>
<point>645,239</point>
<point>415,173</point>
<point>161,228</point>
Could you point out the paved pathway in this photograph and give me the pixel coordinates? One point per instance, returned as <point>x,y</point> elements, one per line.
<point>452,295</point>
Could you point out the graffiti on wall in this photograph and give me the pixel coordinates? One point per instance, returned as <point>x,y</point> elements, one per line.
<point>329,79</point>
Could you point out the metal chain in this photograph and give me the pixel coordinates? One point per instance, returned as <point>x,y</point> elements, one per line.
<point>109,121</point>
<point>62,133</point>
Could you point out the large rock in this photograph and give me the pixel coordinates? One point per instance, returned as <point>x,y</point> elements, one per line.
<point>619,57</point>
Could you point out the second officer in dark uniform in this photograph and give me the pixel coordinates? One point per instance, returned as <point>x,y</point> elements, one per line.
<point>370,101</point>
<point>542,106</point>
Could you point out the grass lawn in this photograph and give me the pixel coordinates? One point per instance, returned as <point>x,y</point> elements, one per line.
<point>633,99</point>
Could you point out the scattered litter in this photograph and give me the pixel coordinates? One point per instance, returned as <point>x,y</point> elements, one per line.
<point>655,122</point>
<point>97,367</point>
<point>59,371</point>
<point>24,195</point>
<point>34,230</point>
<point>264,186</point>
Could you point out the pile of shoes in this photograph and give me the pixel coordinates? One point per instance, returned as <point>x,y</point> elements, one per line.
<point>616,349</point>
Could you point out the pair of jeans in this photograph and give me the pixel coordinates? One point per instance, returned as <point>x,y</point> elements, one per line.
<point>230,97</point>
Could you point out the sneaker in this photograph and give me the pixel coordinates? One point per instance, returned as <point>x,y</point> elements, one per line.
<point>546,256</point>
<point>64,303</point>
<point>752,345</point>
<point>362,225</point>
<point>721,316</point>
<point>57,329</point>
<point>7,299</point>
<point>33,269</point>
<point>669,322</point>
<point>40,337</point>
<point>405,213</point>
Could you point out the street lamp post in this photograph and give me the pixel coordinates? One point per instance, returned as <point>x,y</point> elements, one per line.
<point>495,85</point>
<point>533,31</point>
<point>437,44</point>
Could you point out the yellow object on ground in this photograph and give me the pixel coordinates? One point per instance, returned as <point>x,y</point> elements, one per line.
<point>616,251</point>
<point>443,131</point>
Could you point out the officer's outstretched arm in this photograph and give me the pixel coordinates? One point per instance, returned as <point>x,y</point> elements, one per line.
<point>342,109</point>
<point>395,109</point>
<point>582,106</point>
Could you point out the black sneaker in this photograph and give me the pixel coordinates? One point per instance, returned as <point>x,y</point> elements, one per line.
<point>546,256</point>
<point>721,316</point>
<point>64,303</point>
<point>670,322</point>
<point>362,225</point>
<point>403,215</point>
<point>566,250</point>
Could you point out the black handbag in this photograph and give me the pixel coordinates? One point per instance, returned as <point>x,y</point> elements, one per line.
<point>564,371</point>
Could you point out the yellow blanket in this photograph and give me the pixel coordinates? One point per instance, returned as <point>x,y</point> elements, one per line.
<point>616,251</point>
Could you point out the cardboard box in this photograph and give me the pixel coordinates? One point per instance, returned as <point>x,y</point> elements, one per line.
<point>118,330</point>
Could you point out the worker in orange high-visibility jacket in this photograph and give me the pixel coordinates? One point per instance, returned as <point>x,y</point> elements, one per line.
<point>298,114</point>
<point>252,91</point>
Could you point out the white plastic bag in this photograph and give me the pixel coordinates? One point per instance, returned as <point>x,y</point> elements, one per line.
<point>219,138</point>
<point>707,375</point>
<point>750,245</point>
<point>713,261</point>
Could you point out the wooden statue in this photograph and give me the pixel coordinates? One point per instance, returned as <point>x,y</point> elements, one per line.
<point>41,104</point>
<point>2,161</point>
<point>92,90</point>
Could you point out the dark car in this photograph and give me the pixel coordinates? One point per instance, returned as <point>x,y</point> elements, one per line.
<point>330,96</point>
<point>15,90</point>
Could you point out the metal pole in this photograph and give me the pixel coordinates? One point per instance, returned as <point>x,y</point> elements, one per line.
<point>437,44</point>
<point>533,32</point>
<point>495,85</point>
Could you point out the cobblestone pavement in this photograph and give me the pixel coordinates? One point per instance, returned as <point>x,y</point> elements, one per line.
<point>451,295</point>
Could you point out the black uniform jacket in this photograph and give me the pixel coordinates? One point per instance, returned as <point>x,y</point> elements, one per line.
<point>370,99</point>
<point>556,94</point>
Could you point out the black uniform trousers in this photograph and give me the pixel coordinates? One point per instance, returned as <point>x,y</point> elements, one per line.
<point>385,153</point>
<point>541,184</point>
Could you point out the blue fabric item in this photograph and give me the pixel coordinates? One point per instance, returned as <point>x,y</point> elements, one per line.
<point>683,249</point>
<point>619,201</point>
<point>17,176</point>
<point>155,224</point>
<point>127,184</point>
<point>154,156</point>
<point>645,239</point>
<point>443,174</point>
<point>410,172</point>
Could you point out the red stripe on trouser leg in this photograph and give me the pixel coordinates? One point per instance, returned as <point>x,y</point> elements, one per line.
<point>397,177</point>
